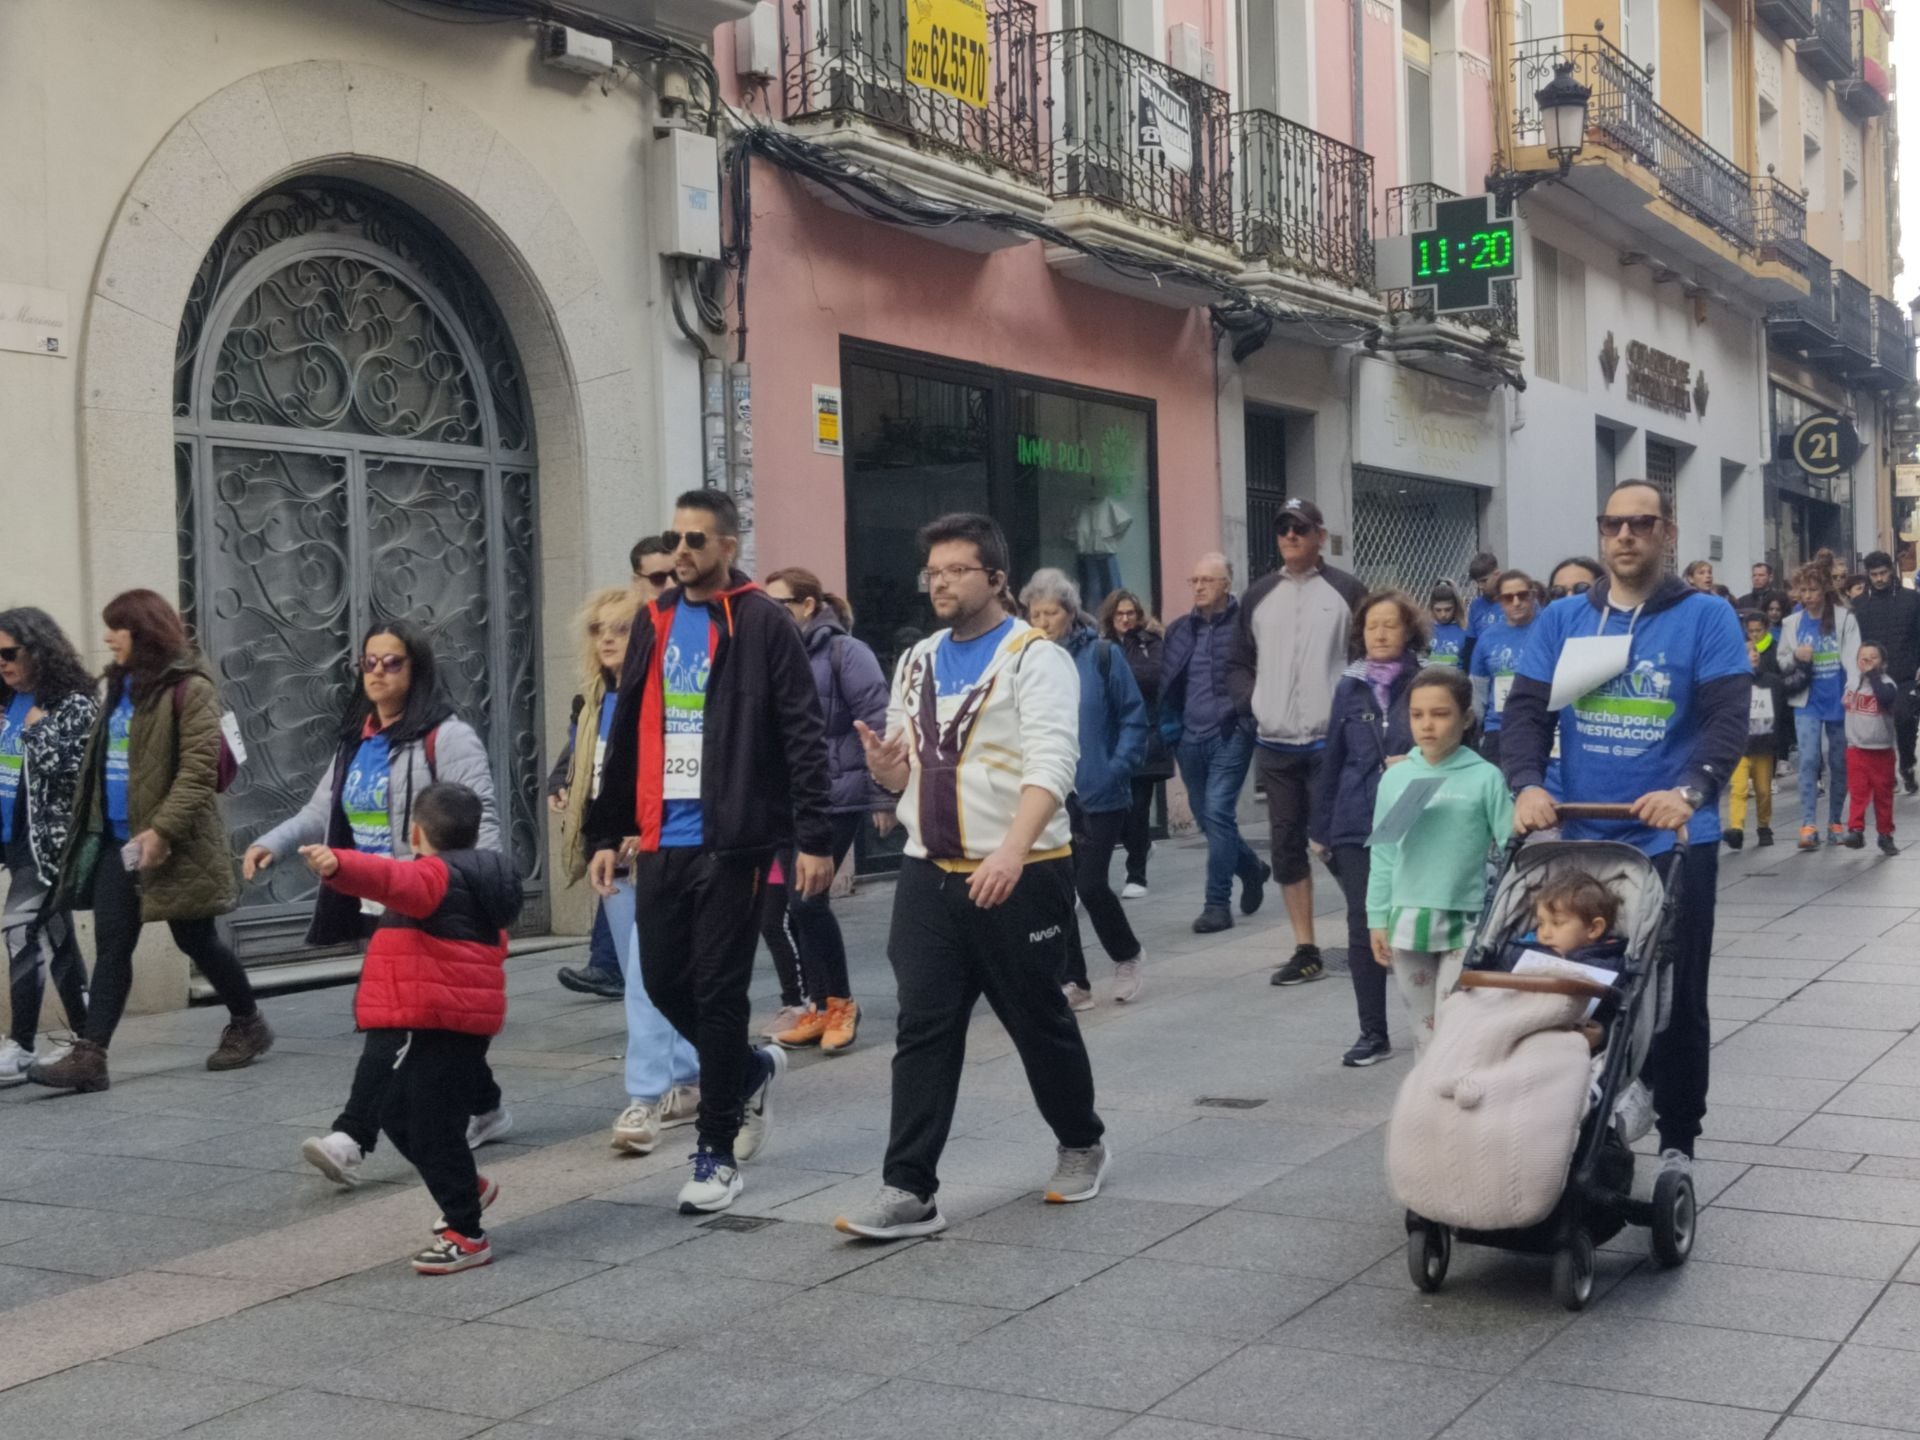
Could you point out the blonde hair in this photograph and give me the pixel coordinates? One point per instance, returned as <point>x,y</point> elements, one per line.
<point>616,602</point>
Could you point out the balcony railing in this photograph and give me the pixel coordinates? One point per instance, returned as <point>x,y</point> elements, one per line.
<point>1853,315</point>
<point>1892,342</point>
<point>1091,136</point>
<point>1780,224</point>
<point>849,58</point>
<point>1828,52</point>
<point>1302,198</point>
<point>1857,95</point>
<point>1790,19</point>
<point>1411,208</point>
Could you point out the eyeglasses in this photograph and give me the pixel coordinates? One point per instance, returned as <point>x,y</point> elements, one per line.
<point>1514,597</point>
<point>1560,592</point>
<point>696,539</point>
<point>1641,525</point>
<point>658,579</point>
<point>10,653</point>
<point>952,574</point>
<point>392,664</point>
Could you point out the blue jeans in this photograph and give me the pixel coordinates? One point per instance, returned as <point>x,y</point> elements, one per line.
<point>1808,729</point>
<point>658,1056</point>
<point>601,954</point>
<point>1214,771</point>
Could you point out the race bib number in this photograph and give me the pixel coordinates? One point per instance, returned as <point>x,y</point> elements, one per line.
<point>1502,687</point>
<point>682,777</point>
<point>1760,713</point>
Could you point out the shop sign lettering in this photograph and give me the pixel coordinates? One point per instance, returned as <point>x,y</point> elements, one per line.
<point>1658,379</point>
<point>1071,457</point>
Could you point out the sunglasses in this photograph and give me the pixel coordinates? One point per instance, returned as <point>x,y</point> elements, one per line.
<point>696,539</point>
<point>660,579</point>
<point>1293,527</point>
<point>1641,525</point>
<point>10,653</point>
<point>1514,597</point>
<point>392,664</point>
<point>1560,592</point>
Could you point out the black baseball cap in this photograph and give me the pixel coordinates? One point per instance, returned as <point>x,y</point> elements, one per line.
<point>1297,509</point>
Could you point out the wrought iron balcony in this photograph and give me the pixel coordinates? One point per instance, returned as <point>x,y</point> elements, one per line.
<point>1624,116</point>
<point>1806,324</point>
<point>1789,19</point>
<point>1852,319</point>
<point>1828,51</point>
<point>848,59</point>
<point>1411,208</point>
<point>1302,199</point>
<point>1892,347</point>
<point>1091,136</point>
<point>1780,224</point>
<point>1855,93</point>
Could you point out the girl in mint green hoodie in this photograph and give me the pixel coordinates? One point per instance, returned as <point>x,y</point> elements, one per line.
<point>1424,893</point>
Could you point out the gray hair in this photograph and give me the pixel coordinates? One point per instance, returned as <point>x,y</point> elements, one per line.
<point>1215,557</point>
<point>1051,584</point>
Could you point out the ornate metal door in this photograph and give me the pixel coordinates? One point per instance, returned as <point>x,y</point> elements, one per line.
<point>353,442</point>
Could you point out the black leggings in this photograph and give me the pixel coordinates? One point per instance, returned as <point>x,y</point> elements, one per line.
<point>1137,835</point>
<point>116,931</point>
<point>823,950</point>
<point>776,930</point>
<point>1094,839</point>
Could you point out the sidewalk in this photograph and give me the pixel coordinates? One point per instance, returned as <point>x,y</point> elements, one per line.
<point>169,1266</point>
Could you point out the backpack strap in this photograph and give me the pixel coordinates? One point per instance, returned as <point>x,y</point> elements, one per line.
<point>430,743</point>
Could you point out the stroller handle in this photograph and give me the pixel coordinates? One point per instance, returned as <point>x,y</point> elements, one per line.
<point>1538,984</point>
<point>1575,811</point>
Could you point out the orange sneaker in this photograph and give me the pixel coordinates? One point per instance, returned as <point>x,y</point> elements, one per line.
<point>812,1025</point>
<point>1809,838</point>
<point>843,1023</point>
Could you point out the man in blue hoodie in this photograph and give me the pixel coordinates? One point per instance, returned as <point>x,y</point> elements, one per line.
<point>1662,733</point>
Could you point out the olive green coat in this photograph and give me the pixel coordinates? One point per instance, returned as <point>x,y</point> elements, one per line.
<point>173,760</point>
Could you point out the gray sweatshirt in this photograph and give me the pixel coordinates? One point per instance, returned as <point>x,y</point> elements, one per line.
<point>1870,700</point>
<point>1290,647</point>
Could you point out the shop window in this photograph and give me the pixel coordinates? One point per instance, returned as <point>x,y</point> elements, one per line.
<point>1409,531</point>
<point>1640,36</point>
<point>1080,486</point>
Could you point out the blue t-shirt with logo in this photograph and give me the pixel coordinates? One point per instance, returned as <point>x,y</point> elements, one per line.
<point>1496,660</point>
<point>119,740</point>
<point>684,670</point>
<point>1481,614</point>
<point>1634,733</point>
<point>1448,642</point>
<point>13,755</point>
<point>959,664</point>
<point>1827,690</point>
<point>364,796</point>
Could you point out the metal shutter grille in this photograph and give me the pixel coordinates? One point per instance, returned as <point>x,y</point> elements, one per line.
<point>1409,532</point>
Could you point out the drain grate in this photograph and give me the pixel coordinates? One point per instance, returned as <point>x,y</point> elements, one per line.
<point>737,1224</point>
<point>1229,1102</point>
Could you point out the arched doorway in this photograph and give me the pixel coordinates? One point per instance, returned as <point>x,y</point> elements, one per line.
<point>352,442</point>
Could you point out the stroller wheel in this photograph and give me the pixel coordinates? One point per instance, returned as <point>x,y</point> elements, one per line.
<point>1674,1213</point>
<point>1573,1272</point>
<point>1429,1252</point>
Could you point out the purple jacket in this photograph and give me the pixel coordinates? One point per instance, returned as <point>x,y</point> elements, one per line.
<point>852,687</point>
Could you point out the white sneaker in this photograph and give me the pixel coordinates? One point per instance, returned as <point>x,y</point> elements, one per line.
<point>1633,1112</point>
<point>784,1019</point>
<point>336,1156</point>
<point>681,1106</point>
<point>1079,997</point>
<point>1677,1160</point>
<point>13,1063</point>
<point>759,1115</point>
<point>1133,891</point>
<point>714,1186</point>
<point>637,1130</point>
<point>1126,981</point>
<point>487,1128</point>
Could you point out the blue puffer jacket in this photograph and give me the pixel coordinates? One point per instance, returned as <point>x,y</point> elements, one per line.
<point>1360,741</point>
<point>1113,724</point>
<point>852,687</point>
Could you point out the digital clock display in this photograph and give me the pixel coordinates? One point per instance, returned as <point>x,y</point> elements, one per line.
<point>1463,253</point>
<point>1491,250</point>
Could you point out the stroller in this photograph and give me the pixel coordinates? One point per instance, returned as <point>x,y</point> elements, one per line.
<point>1595,1200</point>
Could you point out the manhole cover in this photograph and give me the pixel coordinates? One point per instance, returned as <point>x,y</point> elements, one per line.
<point>1229,1102</point>
<point>738,1224</point>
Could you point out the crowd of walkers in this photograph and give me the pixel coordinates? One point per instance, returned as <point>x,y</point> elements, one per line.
<point>730,739</point>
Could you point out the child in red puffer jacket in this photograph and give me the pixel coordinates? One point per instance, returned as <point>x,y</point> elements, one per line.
<point>435,969</point>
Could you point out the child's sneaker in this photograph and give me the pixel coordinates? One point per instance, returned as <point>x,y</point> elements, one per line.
<point>489,1192</point>
<point>1809,838</point>
<point>1887,847</point>
<point>1836,835</point>
<point>453,1251</point>
<point>1734,838</point>
<point>336,1156</point>
<point>1856,840</point>
<point>1764,837</point>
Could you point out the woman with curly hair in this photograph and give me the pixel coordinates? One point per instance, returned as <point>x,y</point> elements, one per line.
<point>49,707</point>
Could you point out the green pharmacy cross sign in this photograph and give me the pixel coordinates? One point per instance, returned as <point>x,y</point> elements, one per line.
<point>1463,254</point>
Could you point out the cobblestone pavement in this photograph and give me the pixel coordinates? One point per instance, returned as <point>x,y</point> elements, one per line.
<point>168,1266</point>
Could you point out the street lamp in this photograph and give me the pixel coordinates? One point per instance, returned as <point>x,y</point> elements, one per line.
<point>1563,114</point>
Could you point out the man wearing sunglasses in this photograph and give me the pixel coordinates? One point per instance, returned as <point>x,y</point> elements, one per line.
<point>1662,735</point>
<point>1496,656</point>
<point>1290,645</point>
<point>716,759</point>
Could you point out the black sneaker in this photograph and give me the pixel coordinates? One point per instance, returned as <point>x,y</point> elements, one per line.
<point>1367,1050</point>
<point>1763,837</point>
<point>592,980</point>
<point>1254,892</point>
<point>1304,966</point>
<point>1856,840</point>
<point>1887,847</point>
<point>1734,838</point>
<point>1212,920</point>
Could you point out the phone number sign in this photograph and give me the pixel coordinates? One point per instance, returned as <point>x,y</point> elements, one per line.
<point>947,48</point>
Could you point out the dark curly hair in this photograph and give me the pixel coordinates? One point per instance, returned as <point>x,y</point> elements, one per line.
<point>56,666</point>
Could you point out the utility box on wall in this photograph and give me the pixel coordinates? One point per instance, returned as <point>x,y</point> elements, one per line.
<point>686,194</point>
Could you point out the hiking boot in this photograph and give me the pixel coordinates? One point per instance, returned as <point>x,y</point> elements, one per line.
<point>1809,838</point>
<point>714,1186</point>
<point>1079,997</point>
<point>1304,966</point>
<point>1253,893</point>
<point>1887,847</point>
<point>489,1192</point>
<point>806,1032</point>
<point>1734,838</point>
<point>1126,981</point>
<point>1212,920</point>
<point>1856,840</point>
<point>81,1069</point>
<point>487,1128</point>
<point>453,1251</point>
<point>1763,837</point>
<point>1078,1174</point>
<point>895,1214</point>
<point>337,1156</point>
<point>637,1130</point>
<point>1367,1050</point>
<point>244,1041</point>
<point>783,1020</point>
<point>843,1025</point>
<point>592,980</point>
<point>758,1118</point>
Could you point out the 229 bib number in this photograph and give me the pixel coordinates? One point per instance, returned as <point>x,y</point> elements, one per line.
<point>954,64</point>
<point>681,769</point>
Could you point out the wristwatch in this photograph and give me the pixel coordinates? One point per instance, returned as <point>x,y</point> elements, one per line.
<point>1693,795</point>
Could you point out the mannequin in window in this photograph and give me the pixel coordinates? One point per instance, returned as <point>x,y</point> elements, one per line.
<point>1096,532</point>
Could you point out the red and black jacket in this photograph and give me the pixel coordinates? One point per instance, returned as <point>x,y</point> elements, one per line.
<point>763,766</point>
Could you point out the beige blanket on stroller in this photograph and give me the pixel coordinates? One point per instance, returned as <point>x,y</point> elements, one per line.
<point>1484,1128</point>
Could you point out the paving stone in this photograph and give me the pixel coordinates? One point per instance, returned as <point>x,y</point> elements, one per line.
<point>1837,1197</point>
<point>1113,1226</point>
<point>1860,1133</point>
<point>1828,1002</point>
<point>300,1414</point>
<point>1680,1362</point>
<point>1159,1427</point>
<point>1799,1052</point>
<point>1879,1102</point>
<point>1318,1396</point>
<point>115,1182</point>
<point>285,1342</point>
<point>945,1412</point>
<point>1201,1299</point>
<point>1055,1358</point>
<point>870,1334</point>
<point>1775,1092</point>
<point>126,1402</point>
<point>964,1272</point>
<point>595,1230</point>
<point>768,1186</point>
<point>1280,1142</point>
<point>1895,1321</point>
<point>1866,1385</point>
<point>1796,1428</point>
<point>1773,944</point>
<point>1737,1297</point>
<point>1178,1180</point>
<point>1492,1325</point>
<point>957,1202</point>
<point>638,1301</point>
<point>511,1279</point>
<point>794,1254</point>
<point>18,1284</point>
<point>97,1243</point>
<point>683,1393</point>
<point>1847,919</point>
<point>1803,1243</point>
<point>1523,1409</point>
<point>1286,1244</point>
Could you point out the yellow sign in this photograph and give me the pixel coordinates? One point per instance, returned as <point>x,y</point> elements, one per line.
<point>947,48</point>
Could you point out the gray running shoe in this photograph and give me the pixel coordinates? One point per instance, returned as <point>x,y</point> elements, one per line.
<point>1078,1175</point>
<point>894,1215</point>
<point>758,1119</point>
